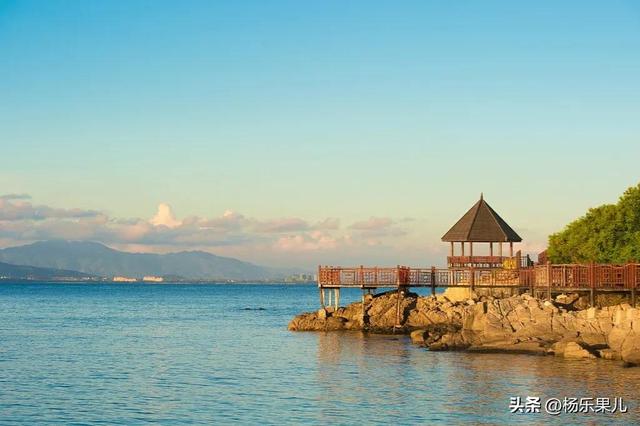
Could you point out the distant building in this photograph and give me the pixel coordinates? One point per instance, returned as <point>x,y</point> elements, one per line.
<point>124,280</point>
<point>299,278</point>
<point>152,279</point>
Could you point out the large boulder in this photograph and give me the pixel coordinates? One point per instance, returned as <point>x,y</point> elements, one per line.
<point>417,336</point>
<point>630,349</point>
<point>312,322</point>
<point>459,294</point>
<point>383,311</point>
<point>571,349</point>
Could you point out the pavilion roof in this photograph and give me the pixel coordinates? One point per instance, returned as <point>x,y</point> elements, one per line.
<point>482,224</point>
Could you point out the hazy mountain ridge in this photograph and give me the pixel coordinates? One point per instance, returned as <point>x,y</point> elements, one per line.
<point>97,259</point>
<point>32,272</point>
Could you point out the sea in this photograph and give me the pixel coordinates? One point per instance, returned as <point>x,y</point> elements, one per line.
<point>134,354</point>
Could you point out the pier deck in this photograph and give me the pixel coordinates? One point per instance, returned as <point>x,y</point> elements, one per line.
<point>539,279</point>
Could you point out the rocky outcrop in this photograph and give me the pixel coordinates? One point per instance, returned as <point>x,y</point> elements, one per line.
<point>519,324</point>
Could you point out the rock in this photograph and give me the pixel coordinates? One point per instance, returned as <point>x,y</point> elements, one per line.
<point>421,318</point>
<point>593,340</point>
<point>353,312</point>
<point>417,337</point>
<point>449,341</point>
<point>567,301</point>
<point>382,313</point>
<point>531,348</point>
<point>582,303</point>
<point>630,348</point>
<point>519,324</point>
<point>459,294</point>
<point>334,323</point>
<point>322,313</point>
<point>616,338</point>
<point>609,354</point>
<point>306,322</point>
<point>573,350</point>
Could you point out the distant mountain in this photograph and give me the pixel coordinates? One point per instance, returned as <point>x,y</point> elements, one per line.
<point>98,259</point>
<point>32,272</point>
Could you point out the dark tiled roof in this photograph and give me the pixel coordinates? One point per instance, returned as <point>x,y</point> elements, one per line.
<point>481,223</point>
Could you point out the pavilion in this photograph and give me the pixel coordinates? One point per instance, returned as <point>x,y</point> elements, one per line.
<point>481,224</point>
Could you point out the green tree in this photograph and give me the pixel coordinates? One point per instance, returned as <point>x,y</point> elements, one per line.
<point>606,234</point>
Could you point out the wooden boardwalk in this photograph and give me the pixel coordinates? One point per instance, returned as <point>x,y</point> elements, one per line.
<point>539,279</point>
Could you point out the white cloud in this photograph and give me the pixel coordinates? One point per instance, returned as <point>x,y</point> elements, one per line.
<point>165,217</point>
<point>15,207</point>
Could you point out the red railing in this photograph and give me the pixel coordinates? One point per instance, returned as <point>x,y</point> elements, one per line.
<point>480,262</point>
<point>556,276</point>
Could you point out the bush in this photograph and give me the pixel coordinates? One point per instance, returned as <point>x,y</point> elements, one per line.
<point>606,234</point>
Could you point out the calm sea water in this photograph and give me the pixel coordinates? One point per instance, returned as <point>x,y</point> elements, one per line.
<point>182,354</point>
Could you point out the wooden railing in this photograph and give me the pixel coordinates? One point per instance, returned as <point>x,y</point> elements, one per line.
<point>476,261</point>
<point>480,262</point>
<point>596,276</point>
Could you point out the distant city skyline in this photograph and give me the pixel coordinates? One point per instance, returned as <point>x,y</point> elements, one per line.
<point>299,133</point>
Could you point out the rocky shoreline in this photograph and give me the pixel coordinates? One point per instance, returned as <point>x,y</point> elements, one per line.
<point>516,324</point>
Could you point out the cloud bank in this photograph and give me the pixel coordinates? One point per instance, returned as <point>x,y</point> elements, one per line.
<point>290,241</point>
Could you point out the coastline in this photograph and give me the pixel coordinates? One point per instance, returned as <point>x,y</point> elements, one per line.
<point>516,324</point>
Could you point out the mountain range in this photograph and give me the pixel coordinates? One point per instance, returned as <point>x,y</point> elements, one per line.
<point>31,272</point>
<point>97,259</point>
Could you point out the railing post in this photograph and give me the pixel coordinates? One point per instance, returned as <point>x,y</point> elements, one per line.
<point>433,280</point>
<point>549,280</point>
<point>472,278</point>
<point>592,284</point>
<point>632,280</point>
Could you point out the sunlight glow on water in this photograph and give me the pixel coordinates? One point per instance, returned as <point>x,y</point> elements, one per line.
<point>178,354</point>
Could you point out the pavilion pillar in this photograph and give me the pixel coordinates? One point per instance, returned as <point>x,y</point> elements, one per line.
<point>491,249</point>
<point>510,248</point>
<point>471,248</point>
<point>500,249</point>
<point>451,250</point>
<point>462,247</point>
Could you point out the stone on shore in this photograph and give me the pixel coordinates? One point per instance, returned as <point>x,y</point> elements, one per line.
<point>417,336</point>
<point>521,324</point>
<point>571,350</point>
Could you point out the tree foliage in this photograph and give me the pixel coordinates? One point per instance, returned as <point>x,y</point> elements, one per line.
<point>606,234</point>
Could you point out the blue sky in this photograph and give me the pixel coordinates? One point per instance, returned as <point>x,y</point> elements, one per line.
<point>393,114</point>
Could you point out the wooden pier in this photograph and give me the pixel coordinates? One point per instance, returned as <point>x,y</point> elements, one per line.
<point>539,280</point>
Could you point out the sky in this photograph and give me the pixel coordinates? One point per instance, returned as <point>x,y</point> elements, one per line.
<point>293,133</point>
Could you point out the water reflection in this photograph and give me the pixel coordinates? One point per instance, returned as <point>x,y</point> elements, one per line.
<point>387,373</point>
